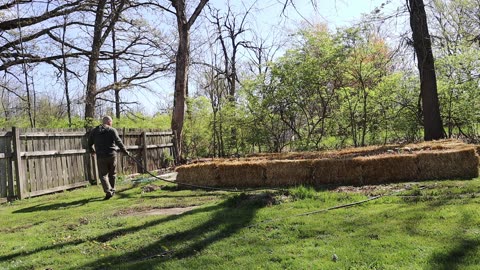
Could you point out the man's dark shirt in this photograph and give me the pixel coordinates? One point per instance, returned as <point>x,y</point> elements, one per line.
<point>105,138</point>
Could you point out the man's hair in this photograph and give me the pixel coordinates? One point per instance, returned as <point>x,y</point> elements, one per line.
<point>106,119</point>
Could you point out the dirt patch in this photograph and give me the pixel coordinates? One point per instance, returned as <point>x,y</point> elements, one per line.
<point>18,228</point>
<point>151,188</point>
<point>375,190</point>
<point>161,211</point>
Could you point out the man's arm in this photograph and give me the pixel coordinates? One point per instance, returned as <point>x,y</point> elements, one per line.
<point>119,142</point>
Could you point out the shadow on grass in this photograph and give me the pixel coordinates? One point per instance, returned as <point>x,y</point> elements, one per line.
<point>153,195</point>
<point>463,250</point>
<point>57,206</point>
<point>64,205</point>
<point>457,257</point>
<point>229,217</point>
<point>122,194</point>
<point>458,253</point>
<point>105,237</point>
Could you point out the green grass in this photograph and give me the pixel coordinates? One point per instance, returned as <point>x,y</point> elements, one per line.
<point>428,225</point>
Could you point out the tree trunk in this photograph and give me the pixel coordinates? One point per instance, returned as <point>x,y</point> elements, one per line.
<point>65,74</point>
<point>115,69</point>
<point>90,97</point>
<point>181,75</point>
<point>181,68</point>
<point>432,120</point>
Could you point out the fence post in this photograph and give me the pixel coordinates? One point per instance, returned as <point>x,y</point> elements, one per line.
<point>144,151</point>
<point>11,189</point>
<point>122,157</point>
<point>4,176</point>
<point>17,158</point>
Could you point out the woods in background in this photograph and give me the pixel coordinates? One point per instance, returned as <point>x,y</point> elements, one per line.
<point>235,87</point>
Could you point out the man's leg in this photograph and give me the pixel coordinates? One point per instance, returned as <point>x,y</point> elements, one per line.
<point>103,171</point>
<point>112,173</point>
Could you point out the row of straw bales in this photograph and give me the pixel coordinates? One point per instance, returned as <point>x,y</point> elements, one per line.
<point>459,162</point>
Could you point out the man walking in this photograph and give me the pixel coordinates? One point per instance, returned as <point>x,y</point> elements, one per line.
<point>105,137</point>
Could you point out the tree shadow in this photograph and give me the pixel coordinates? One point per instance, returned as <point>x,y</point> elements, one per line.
<point>57,206</point>
<point>152,195</point>
<point>172,188</point>
<point>230,216</point>
<point>108,236</point>
<point>61,206</point>
<point>455,257</point>
<point>457,252</point>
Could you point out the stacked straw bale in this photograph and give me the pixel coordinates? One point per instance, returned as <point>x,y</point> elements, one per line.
<point>199,174</point>
<point>281,173</point>
<point>388,168</point>
<point>337,171</point>
<point>431,160</point>
<point>241,174</point>
<point>450,164</point>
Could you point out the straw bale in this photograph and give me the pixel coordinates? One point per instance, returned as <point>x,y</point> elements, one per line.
<point>353,166</point>
<point>389,169</point>
<point>437,145</point>
<point>241,174</point>
<point>288,172</point>
<point>337,171</point>
<point>477,149</point>
<point>451,164</point>
<point>198,174</point>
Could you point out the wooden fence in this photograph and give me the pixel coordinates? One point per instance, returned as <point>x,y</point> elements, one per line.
<point>40,161</point>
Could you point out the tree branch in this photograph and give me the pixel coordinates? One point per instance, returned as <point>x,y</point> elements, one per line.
<point>68,8</point>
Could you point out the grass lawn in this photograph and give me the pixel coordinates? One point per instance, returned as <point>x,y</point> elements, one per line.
<point>426,225</point>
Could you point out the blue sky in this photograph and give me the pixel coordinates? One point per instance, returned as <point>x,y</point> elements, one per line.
<point>332,12</point>
<point>335,13</point>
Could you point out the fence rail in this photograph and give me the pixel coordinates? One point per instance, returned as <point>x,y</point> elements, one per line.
<point>39,161</point>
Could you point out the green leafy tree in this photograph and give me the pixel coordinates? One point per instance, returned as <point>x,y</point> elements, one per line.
<point>367,63</point>
<point>303,86</point>
<point>197,133</point>
<point>455,42</point>
<point>270,133</point>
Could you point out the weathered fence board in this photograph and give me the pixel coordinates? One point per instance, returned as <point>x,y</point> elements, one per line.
<point>6,186</point>
<point>39,161</point>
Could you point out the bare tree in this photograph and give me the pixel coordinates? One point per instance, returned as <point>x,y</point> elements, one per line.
<point>47,37</point>
<point>229,29</point>
<point>39,25</point>
<point>101,31</point>
<point>115,69</point>
<point>182,62</point>
<point>65,72</point>
<point>65,8</point>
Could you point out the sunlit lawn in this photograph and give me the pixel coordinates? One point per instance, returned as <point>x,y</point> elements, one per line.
<point>428,225</point>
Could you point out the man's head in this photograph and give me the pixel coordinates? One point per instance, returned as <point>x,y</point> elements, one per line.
<point>107,120</point>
